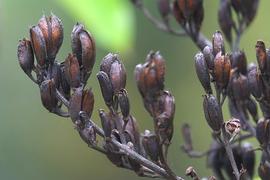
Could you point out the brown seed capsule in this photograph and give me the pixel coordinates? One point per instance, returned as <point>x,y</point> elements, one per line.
<point>117,76</point>
<point>218,43</point>
<point>72,71</point>
<point>88,102</point>
<point>75,105</point>
<point>252,109</point>
<point>248,158</point>
<point>52,31</point>
<point>261,55</point>
<point>150,144</point>
<point>83,46</point>
<point>139,77</point>
<point>238,87</point>
<point>48,95</point>
<point>189,7</point>
<point>124,103</point>
<point>202,72</point>
<point>239,61</point>
<point>222,70</point>
<point>88,53</point>
<point>39,45</point>
<point>198,16</point>
<point>225,19</point>
<point>56,74</point>
<point>25,56</point>
<point>64,85</point>
<point>107,61</point>
<point>264,171</point>
<point>132,133</point>
<point>178,14</point>
<point>106,87</point>
<point>212,112</point>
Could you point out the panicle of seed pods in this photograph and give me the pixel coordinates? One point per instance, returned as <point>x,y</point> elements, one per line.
<point>63,83</point>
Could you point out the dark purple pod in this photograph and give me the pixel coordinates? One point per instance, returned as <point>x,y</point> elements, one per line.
<point>48,95</point>
<point>225,19</point>
<point>202,72</point>
<point>212,112</point>
<point>117,76</point>
<point>132,133</point>
<point>25,56</point>
<point>209,58</point>
<point>263,131</point>
<point>261,55</point>
<point>56,74</point>
<point>151,146</point>
<point>238,87</point>
<point>106,123</point>
<point>106,87</point>
<point>39,46</point>
<point>72,71</point>
<point>248,158</point>
<point>52,30</point>
<point>198,16</point>
<point>255,83</point>
<point>239,61</point>
<point>75,41</point>
<point>139,78</point>
<point>218,43</point>
<point>75,105</point>
<point>88,102</point>
<point>107,61</point>
<point>264,170</point>
<point>64,85</point>
<point>252,109</point>
<point>189,7</point>
<point>124,103</point>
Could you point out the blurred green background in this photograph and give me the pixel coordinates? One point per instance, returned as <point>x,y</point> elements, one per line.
<point>35,144</point>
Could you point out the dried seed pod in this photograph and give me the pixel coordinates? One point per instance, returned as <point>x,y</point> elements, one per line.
<point>88,102</point>
<point>150,144</point>
<point>52,30</point>
<point>261,55</point>
<point>225,19</point>
<point>255,83</point>
<point>165,119</point>
<point>238,87</point>
<point>25,56</point>
<point>72,71</point>
<point>117,76</point>
<point>252,109</point>
<point>139,77</point>
<point>88,134</point>
<point>264,170</point>
<point>218,43</point>
<point>209,58</point>
<point>75,41</point>
<point>198,16</point>
<point>39,45</point>
<point>212,112</point>
<point>83,46</point>
<point>106,123</point>
<point>189,7</point>
<point>106,87</point>
<point>202,72</point>
<point>132,133</point>
<point>124,103</point>
<point>248,158</point>
<point>222,70</point>
<point>48,95</point>
<point>75,105</point>
<point>107,61</point>
<point>64,85</point>
<point>263,131</point>
<point>239,61</point>
<point>56,74</point>
<point>178,14</point>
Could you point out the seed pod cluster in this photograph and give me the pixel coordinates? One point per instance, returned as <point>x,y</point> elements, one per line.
<point>245,11</point>
<point>65,80</point>
<point>244,158</point>
<point>189,13</point>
